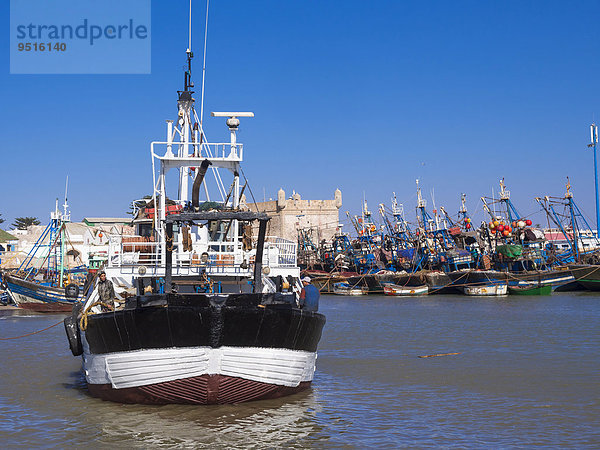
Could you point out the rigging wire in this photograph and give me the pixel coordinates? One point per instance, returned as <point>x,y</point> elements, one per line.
<point>203,65</point>
<point>249,189</point>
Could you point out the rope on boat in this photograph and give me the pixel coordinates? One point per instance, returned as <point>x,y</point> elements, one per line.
<point>450,284</point>
<point>31,334</point>
<point>581,278</point>
<point>83,321</point>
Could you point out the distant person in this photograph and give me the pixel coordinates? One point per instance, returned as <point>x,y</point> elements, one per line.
<point>106,291</point>
<point>309,296</point>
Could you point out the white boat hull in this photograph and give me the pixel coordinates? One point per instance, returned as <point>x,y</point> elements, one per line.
<point>352,291</point>
<point>492,290</point>
<point>396,290</point>
<point>138,368</point>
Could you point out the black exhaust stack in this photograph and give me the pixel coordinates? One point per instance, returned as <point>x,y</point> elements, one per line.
<point>197,183</point>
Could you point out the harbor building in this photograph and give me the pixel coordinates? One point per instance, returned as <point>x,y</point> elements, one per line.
<point>8,244</point>
<point>289,215</point>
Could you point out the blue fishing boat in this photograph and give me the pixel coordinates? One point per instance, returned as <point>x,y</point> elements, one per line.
<point>43,282</point>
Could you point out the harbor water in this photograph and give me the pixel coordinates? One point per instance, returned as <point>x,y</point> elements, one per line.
<point>526,374</point>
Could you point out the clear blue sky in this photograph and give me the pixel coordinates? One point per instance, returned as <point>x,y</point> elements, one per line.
<point>364,96</point>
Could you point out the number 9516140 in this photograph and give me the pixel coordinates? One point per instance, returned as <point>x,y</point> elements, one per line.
<point>42,47</point>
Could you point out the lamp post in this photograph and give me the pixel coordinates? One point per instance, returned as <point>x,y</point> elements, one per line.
<point>594,144</point>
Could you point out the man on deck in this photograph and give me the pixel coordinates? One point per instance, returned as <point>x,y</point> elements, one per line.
<point>106,291</point>
<point>309,296</point>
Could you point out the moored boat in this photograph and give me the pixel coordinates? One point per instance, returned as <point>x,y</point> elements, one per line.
<point>555,278</point>
<point>533,289</point>
<point>40,298</point>
<point>376,281</point>
<point>396,290</point>
<point>440,283</point>
<point>485,290</point>
<point>343,288</point>
<point>44,282</point>
<point>325,283</point>
<point>478,278</point>
<point>588,275</point>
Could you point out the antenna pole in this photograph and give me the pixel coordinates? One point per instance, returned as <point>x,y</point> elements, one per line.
<point>66,205</point>
<point>190,28</point>
<point>594,144</point>
<point>203,71</point>
<point>188,73</point>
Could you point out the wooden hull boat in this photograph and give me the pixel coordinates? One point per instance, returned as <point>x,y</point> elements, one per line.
<point>530,290</point>
<point>555,278</point>
<point>440,283</point>
<point>588,275</point>
<point>346,289</point>
<point>487,290</point>
<point>396,290</point>
<point>37,297</point>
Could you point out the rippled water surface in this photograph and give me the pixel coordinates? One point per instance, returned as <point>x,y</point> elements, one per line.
<point>527,374</point>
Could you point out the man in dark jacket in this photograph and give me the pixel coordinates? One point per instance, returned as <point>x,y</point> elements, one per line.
<point>309,296</point>
<point>106,291</point>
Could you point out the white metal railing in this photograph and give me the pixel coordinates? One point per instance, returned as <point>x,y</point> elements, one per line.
<point>216,150</point>
<point>280,252</point>
<point>130,251</point>
<point>223,150</point>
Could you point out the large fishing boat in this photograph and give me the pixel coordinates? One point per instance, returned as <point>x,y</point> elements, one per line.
<point>580,251</point>
<point>519,249</point>
<point>207,313</point>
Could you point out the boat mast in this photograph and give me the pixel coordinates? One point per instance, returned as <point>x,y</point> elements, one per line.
<point>63,236</point>
<point>421,204</point>
<point>574,227</point>
<point>194,156</point>
<point>511,212</point>
<point>463,214</point>
<point>185,103</point>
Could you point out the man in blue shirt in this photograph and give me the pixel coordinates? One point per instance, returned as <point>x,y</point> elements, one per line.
<point>309,296</point>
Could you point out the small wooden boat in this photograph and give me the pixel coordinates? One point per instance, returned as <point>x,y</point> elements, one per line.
<point>396,290</point>
<point>489,289</point>
<point>346,289</point>
<point>532,289</point>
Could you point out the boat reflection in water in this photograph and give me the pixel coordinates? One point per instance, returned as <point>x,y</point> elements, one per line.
<point>268,423</point>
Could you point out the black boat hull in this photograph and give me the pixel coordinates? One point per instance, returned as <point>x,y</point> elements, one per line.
<point>557,278</point>
<point>201,349</point>
<point>588,275</point>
